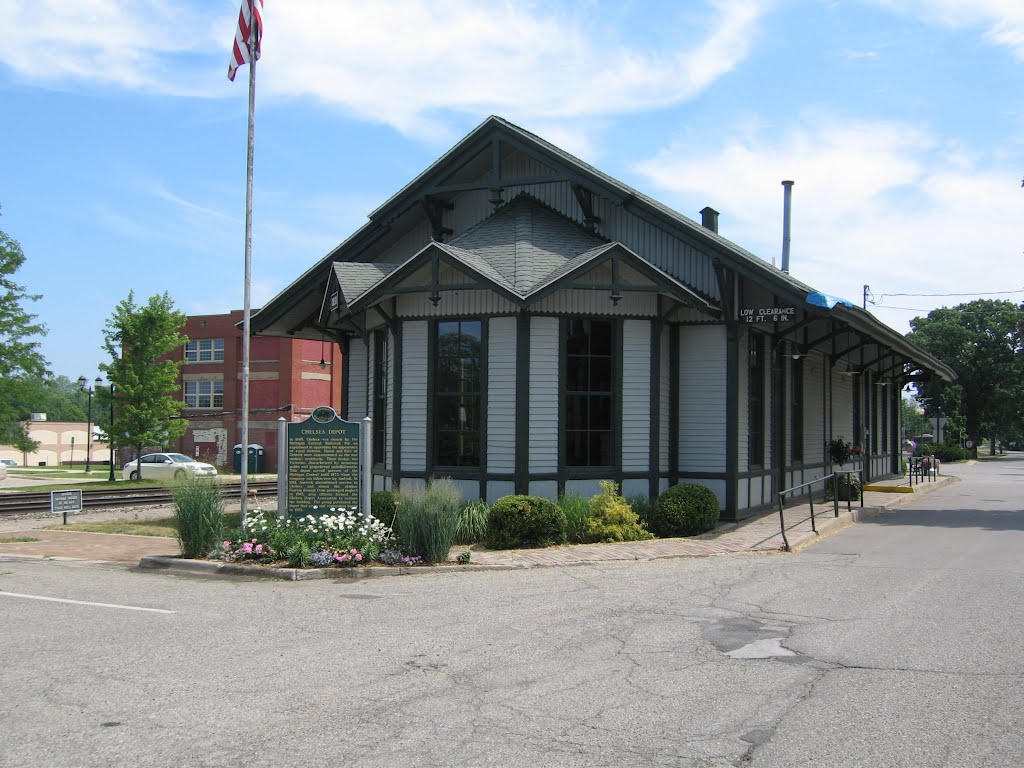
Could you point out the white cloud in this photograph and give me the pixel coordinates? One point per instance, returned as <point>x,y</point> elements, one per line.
<point>1002,21</point>
<point>883,204</point>
<point>399,62</point>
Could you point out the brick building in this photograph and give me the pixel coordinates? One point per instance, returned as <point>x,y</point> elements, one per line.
<point>286,379</point>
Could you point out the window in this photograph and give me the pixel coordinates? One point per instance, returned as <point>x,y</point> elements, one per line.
<point>204,394</point>
<point>457,390</point>
<point>796,412</point>
<point>884,442</point>
<point>755,400</point>
<point>588,393</point>
<point>204,351</point>
<point>380,395</point>
<point>874,418</point>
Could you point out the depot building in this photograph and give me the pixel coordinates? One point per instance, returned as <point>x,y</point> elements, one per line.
<point>520,322</point>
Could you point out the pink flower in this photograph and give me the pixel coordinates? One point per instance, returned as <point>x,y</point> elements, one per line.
<point>359,558</point>
<point>258,549</point>
<point>354,551</point>
<point>227,545</point>
<point>247,548</point>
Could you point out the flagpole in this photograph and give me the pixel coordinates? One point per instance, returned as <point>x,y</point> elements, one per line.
<point>244,490</point>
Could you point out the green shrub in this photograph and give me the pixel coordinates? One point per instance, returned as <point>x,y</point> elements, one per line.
<point>428,519</point>
<point>643,509</point>
<point>844,487</point>
<point>576,512</point>
<point>383,505</point>
<point>686,509</point>
<point>299,554</point>
<point>611,518</point>
<point>472,527</point>
<point>525,521</point>
<point>199,513</point>
<point>944,453</point>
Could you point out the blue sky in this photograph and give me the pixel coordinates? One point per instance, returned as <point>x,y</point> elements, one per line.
<point>122,143</point>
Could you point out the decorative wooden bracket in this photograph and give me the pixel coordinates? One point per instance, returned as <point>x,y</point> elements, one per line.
<point>585,198</point>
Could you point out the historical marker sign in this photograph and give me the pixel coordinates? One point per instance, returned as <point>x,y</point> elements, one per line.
<point>65,501</point>
<point>323,464</point>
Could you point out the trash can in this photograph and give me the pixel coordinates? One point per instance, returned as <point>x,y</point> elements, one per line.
<point>257,458</point>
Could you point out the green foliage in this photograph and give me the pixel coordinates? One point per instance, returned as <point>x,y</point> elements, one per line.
<point>472,526</point>
<point>686,509</point>
<point>199,514</point>
<point>464,557</point>
<point>576,512</point>
<point>20,360</point>
<point>983,342</point>
<point>525,521</point>
<point>299,554</point>
<point>428,519</point>
<point>944,453</point>
<point>383,505</point>
<point>611,518</point>
<point>844,486</point>
<point>642,506</point>
<point>136,337</point>
<point>839,451</point>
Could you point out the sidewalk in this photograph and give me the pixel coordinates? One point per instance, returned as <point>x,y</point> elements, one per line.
<point>757,534</point>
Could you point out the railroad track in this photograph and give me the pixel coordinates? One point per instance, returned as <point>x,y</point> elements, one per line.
<point>15,503</point>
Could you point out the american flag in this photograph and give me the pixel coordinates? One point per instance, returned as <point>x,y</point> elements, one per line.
<point>240,49</point>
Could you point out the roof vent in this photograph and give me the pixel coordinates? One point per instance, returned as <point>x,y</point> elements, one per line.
<point>37,417</point>
<point>709,218</point>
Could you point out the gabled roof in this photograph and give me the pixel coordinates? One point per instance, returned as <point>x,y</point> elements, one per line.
<point>294,310</point>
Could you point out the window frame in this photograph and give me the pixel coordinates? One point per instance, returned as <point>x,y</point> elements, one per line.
<point>613,361</point>
<point>379,397</point>
<point>756,392</point>
<point>438,399</point>
<point>204,351</point>
<point>214,397</point>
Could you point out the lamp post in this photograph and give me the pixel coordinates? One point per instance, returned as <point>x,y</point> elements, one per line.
<point>82,381</point>
<point>110,434</point>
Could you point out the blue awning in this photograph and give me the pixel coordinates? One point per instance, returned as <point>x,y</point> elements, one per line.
<point>818,299</point>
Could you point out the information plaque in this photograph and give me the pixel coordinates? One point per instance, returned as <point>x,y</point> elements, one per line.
<point>323,464</point>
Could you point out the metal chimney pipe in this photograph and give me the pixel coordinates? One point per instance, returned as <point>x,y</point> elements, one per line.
<point>787,202</point>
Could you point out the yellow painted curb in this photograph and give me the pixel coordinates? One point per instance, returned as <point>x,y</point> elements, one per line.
<point>889,488</point>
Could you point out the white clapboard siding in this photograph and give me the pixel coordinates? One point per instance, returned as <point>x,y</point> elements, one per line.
<point>702,400</point>
<point>544,368</point>
<point>842,406</point>
<point>414,396</point>
<point>501,395</point>
<point>357,389</point>
<point>636,395</point>
<point>814,410</point>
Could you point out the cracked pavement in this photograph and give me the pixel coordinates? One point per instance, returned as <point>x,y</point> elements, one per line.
<point>891,643</point>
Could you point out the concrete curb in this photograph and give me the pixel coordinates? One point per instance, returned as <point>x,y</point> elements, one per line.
<point>208,567</point>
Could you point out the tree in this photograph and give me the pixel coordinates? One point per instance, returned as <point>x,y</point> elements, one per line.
<point>982,342</point>
<point>20,359</point>
<point>59,398</point>
<point>136,338</point>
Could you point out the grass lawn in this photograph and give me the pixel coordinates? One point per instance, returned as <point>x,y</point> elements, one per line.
<point>135,526</point>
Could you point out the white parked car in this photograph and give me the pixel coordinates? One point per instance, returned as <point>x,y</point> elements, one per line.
<point>167,466</point>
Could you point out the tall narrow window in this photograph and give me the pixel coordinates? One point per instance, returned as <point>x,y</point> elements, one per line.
<point>588,393</point>
<point>380,395</point>
<point>884,442</point>
<point>796,412</point>
<point>857,438</point>
<point>457,390</point>
<point>873,415</point>
<point>755,385</point>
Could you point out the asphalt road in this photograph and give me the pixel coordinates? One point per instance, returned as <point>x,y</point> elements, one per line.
<point>892,643</point>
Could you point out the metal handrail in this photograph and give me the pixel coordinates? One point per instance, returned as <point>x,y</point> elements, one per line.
<point>915,467</point>
<point>835,500</point>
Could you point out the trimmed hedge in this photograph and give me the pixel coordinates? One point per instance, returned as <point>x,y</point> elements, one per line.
<point>519,522</point>
<point>686,509</point>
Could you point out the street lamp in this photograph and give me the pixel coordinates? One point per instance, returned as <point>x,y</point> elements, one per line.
<point>82,381</point>
<point>110,434</point>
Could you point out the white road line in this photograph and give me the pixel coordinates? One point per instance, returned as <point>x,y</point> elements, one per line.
<point>83,602</point>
